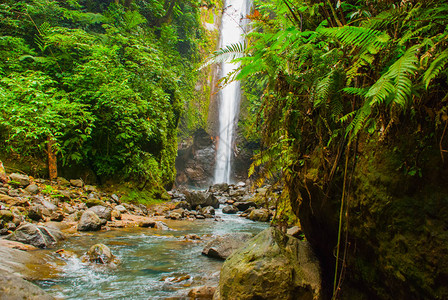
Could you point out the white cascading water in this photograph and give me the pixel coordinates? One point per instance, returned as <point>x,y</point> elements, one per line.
<point>232,30</point>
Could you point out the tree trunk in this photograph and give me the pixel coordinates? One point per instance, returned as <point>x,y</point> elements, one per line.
<point>169,11</point>
<point>52,160</point>
<point>127,4</point>
<point>3,177</point>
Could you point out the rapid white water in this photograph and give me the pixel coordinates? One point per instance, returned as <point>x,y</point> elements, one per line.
<point>232,30</point>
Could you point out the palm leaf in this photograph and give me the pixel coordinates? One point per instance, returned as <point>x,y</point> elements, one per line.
<point>226,54</point>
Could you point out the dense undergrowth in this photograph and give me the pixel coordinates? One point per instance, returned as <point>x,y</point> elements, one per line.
<point>105,81</point>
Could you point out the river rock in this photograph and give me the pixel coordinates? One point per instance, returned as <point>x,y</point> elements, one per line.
<point>261,215</point>
<point>202,292</point>
<point>77,183</point>
<point>57,216</point>
<point>62,181</point>
<point>94,202</point>
<point>147,223</point>
<point>121,209</point>
<point>174,215</point>
<point>46,206</point>
<point>272,265</point>
<point>38,236</point>
<point>99,254</point>
<point>16,245</point>
<point>208,210</point>
<point>6,216</point>
<point>14,201</point>
<point>103,212</point>
<point>115,198</point>
<point>196,198</point>
<point>14,287</point>
<point>295,231</point>
<point>115,214</point>
<point>89,222</point>
<point>230,209</point>
<point>223,246</point>
<point>242,206</point>
<point>183,204</point>
<point>35,213</point>
<point>90,188</point>
<point>32,189</point>
<point>22,180</point>
<point>219,188</point>
<point>161,225</point>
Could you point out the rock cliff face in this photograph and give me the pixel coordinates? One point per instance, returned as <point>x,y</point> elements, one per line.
<point>397,221</point>
<point>195,164</point>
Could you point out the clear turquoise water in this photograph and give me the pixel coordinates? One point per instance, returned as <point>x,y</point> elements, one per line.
<point>151,260</point>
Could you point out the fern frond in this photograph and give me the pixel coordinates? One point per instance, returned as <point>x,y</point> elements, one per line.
<point>404,68</point>
<point>380,21</point>
<point>355,36</point>
<point>226,54</point>
<point>359,120</point>
<point>323,89</point>
<point>380,90</point>
<point>355,91</point>
<point>345,118</point>
<point>434,69</point>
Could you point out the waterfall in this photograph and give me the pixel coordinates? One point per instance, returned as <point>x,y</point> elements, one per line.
<point>232,29</point>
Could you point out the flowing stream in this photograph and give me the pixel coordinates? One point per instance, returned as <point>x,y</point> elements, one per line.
<point>232,29</point>
<point>152,261</point>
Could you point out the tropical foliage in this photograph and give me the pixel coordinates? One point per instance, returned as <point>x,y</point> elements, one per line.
<point>107,80</point>
<point>326,76</point>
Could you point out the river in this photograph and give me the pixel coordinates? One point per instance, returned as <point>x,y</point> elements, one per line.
<point>151,261</point>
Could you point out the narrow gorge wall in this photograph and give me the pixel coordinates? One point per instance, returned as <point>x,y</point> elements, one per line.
<point>397,220</point>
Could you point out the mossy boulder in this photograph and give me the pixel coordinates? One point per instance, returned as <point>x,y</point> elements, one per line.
<point>19,179</point>
<point>261,215</point>
<point>271,265</point>
<point>100,254</point>
<point>94,202</point>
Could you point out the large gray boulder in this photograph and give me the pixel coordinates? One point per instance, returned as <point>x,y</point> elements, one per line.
<point>14,287</point>
<point>103,212</point>
<point>89,222</point>
<point>38,236</point>
<point>196,198</point>
<point>271,265</point>
<point>223,246</point>
<point>22,180</point>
